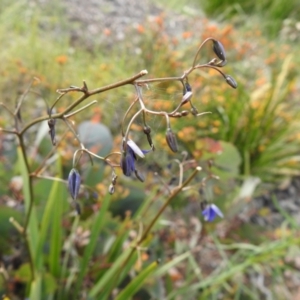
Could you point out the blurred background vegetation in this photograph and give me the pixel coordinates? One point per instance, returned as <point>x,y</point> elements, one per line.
<point>252,135</point>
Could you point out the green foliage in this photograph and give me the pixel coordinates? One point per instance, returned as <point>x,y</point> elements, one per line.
<point>272,12</point>
<point>255,127</point>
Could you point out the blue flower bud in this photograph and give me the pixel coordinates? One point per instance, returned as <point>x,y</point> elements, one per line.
<point>74,183</point>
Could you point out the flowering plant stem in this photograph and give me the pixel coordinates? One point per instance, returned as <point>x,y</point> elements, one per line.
<point>135,247</point>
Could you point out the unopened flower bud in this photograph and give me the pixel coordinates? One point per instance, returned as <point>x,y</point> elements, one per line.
<point>74,183</point>
<point>114,179</point>
<point>51,124</point>
<point>187,88</point>
<point>77,208</point>
<point>147,130</point>
<point>231,81</point>
<point>111,189</point>
<point>171,140</point>
<point>186,98</point>
<point>203,204</point>
<point>139,176</point>
<point>219,50</point>
<point>177,115</point>
<point>185,113</point>
<point>194,111</point>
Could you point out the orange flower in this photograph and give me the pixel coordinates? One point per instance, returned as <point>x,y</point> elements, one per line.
<point>106,31</point>
<point>61,59</point>
<point>140,28</point>
<point>187,34</point>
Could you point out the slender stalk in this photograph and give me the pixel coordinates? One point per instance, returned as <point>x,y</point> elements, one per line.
<point>29,210</point>
<point>82,98</point>
<point>80,109</point>
<point>174,193</point>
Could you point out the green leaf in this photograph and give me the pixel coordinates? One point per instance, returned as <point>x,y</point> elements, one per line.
<point>109,274</point>
<point>33,237</point>
<point>88,252</point>
<point>137,282</point>
<point>52,218</point>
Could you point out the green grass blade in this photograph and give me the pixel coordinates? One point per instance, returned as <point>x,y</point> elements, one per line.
<point>98,224</point>
<point>165,268</point>
<point>109,275</point>
<point>137,282</point>
<point>33,232</point>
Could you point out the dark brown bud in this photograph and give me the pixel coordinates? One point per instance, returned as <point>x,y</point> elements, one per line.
<point>231,81</point>
<point>185,113</point>
<point>114,179</point>
<point>203,204</point>
<point>219,50</point>
<point>51,124</point>
<point>177,115</point>
<point>77,208</point>
<point>194,111</point>
<point>171,140</point>
<point>139,176</point>
<point>147,130</point>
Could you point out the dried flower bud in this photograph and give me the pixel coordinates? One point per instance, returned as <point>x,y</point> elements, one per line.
<point>185,113</point>
<point>171,140</point>
<point>147,130</point>
<point>194,111</point>
<point>74,183</point>
<point>203,204</point>
<point>114,179</point>
<point>177,115</point>
<point>77,208</point>
<point>139,176</point>
<point>219,50</point>
<point>111,189</point>
<point>51,124</point>
<point>231,81</point>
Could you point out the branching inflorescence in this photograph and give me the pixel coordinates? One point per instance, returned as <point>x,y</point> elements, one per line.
<point>127,156</point>
<point>129,150</point>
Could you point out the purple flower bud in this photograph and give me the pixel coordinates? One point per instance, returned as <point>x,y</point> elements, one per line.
<point>186,88</point>
<point>219,50</point>
<point>210,212</point>
<point>74,183</point>
<point>129,157</point>
<point>171,140</point>
<point>231,81</point>
<point>127,162</point>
